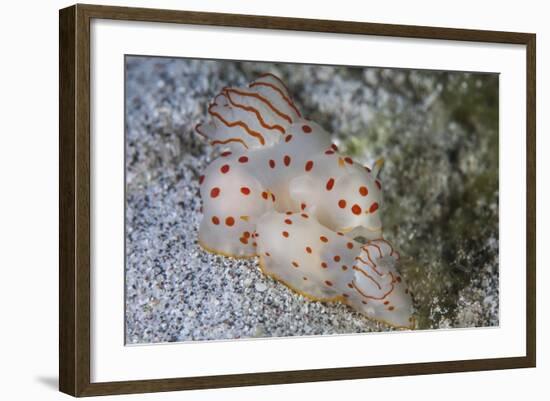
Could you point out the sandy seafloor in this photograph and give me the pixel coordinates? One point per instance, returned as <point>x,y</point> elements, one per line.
<point>438,133</point>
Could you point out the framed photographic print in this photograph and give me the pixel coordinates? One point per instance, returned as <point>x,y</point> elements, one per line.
<point>297,200</point>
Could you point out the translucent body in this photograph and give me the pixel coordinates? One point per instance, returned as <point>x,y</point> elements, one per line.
<point>325,265</point>
<point>277,166</point>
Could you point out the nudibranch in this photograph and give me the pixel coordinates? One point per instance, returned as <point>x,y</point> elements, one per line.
<point>327,266</point>
<point>277,175</point>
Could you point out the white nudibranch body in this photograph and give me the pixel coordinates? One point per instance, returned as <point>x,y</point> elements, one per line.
<point>325,265</point>
<point>280,190</point>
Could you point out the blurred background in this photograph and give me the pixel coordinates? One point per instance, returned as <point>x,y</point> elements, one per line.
<point>438,134</point>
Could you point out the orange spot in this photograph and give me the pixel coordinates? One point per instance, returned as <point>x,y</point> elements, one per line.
<point>386,302</point>
<point>243,159</point>
<point>267,254</point>
<point>295,264</point>
<point>309,165</point>
<point>391,308</point>
<point>329,283</point>
<point>324,265</point>
<point>337,258</point>
<point>215,220</point>
<point>306,129</point>
<point>224,154</point>
<point>289,213</point>
<point>246,234</point>
<point>305,216</point>
<point>288,138</point>
<point>244,240</point>
<point>398,279</point>
<point>272,163</point>
<point>285,234</point>
<point>356,209</point>
<point>273,197</point>
<point>342,203</point>
<point>264,195</point>
<point>215,192</point>
<point>304,278</point>
<point>330,184</point>
<point>350,285</point>
<point>245,190</point>
<point>363,191</point>
<point>350,245</point>
<point>230,221</point>
<point>348,160</point>
<point>254,244</point>
<point>323,238</point>
<point>344,267</point>
<point>201,179</point>
<point>303,206</point>
<point>288,221</point>
<point>225,168</point>
<point>340,233</point>
<point>373,208</point>
<point>287,160</point>
<point>308,249</point>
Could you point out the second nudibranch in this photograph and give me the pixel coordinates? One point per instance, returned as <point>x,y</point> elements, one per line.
<point>329,266</point>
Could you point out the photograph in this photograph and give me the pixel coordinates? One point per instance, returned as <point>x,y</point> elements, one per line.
<point>247,201</point>
<point>267,199</point>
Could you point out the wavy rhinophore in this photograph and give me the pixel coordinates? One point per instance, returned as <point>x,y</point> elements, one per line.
<point>280,190</point>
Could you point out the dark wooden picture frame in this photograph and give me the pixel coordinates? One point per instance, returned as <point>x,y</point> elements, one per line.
<point>74,200</point>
